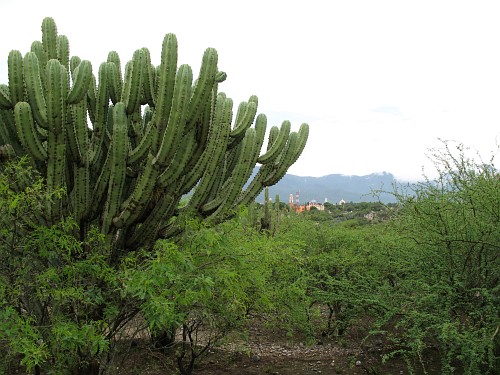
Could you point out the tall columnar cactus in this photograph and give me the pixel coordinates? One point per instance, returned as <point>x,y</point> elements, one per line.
<point>155,134</point>
<point>266,219</point>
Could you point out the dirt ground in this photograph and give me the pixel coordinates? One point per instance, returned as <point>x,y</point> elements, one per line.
<point>270,352</point>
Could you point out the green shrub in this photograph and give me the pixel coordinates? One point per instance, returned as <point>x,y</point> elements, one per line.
<point>58,296</point>
<point>453,295</point>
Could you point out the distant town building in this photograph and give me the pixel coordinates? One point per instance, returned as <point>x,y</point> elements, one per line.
<point>297,207</point>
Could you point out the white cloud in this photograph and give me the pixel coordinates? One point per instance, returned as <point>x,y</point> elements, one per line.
<point>431,68</point>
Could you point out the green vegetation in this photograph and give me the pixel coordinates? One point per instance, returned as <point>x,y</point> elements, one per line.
<point>425,281</point>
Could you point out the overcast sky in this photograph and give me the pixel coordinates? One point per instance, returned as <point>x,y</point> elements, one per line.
<point>378,81</point>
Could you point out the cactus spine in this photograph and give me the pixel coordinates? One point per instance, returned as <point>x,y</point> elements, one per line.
<point>154,135</point>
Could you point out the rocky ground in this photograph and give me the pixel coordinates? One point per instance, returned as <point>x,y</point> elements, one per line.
<point>271,352</point>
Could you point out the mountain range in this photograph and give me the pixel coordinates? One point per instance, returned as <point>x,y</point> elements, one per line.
<point>334,187</point>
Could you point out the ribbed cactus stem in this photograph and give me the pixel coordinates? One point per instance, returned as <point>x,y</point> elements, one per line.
<point>166,74</point>
<point>63,50</point>
<point>118,160</point>
<point>34,88</point>
<point>131,90</point>
<point>266,219</point>
<point>27,131</point>
<point>277,145</point>
<point>203,89</point>
<point>177,116</point>
<point>49,38</point>
<point>82,79</point>
<point>15,73</point>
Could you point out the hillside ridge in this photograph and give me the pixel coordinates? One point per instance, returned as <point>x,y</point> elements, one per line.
<point>335,187</point>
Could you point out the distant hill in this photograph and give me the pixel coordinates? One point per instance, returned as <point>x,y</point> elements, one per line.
<point>334,187</point>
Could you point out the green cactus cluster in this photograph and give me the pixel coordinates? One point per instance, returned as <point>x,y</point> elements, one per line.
<point>128,143</point>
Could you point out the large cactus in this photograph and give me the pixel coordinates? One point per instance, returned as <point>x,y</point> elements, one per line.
<point>155,134</point>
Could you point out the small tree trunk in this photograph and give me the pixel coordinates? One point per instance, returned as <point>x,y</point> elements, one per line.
<point>164,340</point>
<point>89,369</point>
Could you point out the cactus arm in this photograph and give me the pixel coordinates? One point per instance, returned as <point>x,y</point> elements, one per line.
<point>202,155</point>
<point>203,89</point>
<point>119,151</point>
<point>114,58</point>
<point>254,188</point>
<point>82,79</point>
<point>15,74</point>
<point>273,134</point>
<point>244,117</point>
<point>91,99</point>
<point>278,144</point>
<point>136,128</point>
<point>274,172</point>
<point>202,129</point>
<point>101,114</point>
<point>27,131</point>
<point>242,109</point>
<point>37,49</point>
<point>131,90</point>
<point>5,102</point>
<point>81,191</point>
<point>220,199</point>
<point>115,79</point>
<point>177,118</point>
<point>170,177</point>
<point>136,203</point>
<point>270,171</point>
<point>303,135</point>
<point>57,87</point>
<point>49,38</point>
<point>139,152</point>
<point>63,51</point>
<point>101,185</point>
<point>148,79</point>
<point>166,83</point>
<point>292,151</point>
<point>147,231</point>
<point>222,122</point>
<point>56,170</point>
<point>102,99</point>
<point>284,161</point>
<point>260,130</point>
<point>9,132</point>
<point>78,132</point>
<point>73,151</point>
<point>237,179</point>
<point>245,162</point>
<point>260,133</point>
<point>74,62</point>
<point>115,83</point>
<point>36,98</point>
